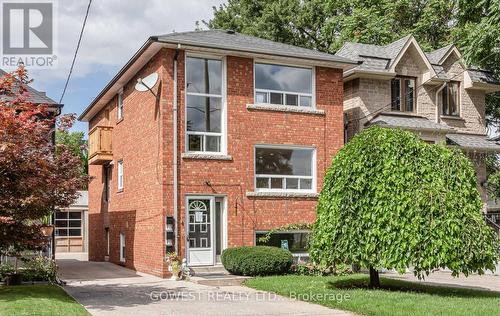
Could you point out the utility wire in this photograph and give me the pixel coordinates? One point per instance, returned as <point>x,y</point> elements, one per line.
<point>76,52</point>
<point>415,89</point>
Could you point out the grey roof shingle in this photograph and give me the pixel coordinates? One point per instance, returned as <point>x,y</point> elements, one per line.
<point>474,142</point>
<point>483,76</point>
<point>436,55</point>
<point>35,96</point>
<point>408,122</point>
<point>374,57</point>
<point>229,40</point>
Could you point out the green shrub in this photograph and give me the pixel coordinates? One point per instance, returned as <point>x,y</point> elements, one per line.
<point>39,269</point>
<point>5,268</point>
<point>257,260</point>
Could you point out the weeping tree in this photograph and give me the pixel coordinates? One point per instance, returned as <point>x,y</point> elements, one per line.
<point>392,201</point>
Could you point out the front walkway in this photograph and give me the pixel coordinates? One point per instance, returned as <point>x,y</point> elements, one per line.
<point>478,282</point>
<point>107,289</point>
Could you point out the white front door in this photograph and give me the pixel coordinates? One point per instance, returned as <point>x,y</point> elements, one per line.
<point>200,230</point>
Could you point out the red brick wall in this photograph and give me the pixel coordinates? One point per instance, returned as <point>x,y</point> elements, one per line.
<point>148,165</point>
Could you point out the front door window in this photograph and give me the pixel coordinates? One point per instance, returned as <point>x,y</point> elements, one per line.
<point>199,224</point>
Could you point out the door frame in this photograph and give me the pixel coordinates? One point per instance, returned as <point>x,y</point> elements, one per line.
<point>212,198</point>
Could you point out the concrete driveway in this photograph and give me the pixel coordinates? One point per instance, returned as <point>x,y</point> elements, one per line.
<point>107,289</point>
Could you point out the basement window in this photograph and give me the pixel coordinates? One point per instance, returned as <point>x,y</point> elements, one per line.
<point>283,85</point>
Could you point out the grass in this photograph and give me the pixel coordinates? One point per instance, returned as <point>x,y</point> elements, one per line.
<point>395,298</point>
<point>38,300</point>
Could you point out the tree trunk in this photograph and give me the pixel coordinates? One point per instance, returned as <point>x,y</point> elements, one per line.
<point>374,279</point>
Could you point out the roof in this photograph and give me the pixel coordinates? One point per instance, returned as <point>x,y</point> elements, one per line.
<point>438,54</point>
<point>408,122</point>
<point>35,96</point>
<point>374,57</point>
<point>483,76</point>
<point>82,202</point>
<point>229,40</point>
<point>473,142</point>
<point>210,39</point>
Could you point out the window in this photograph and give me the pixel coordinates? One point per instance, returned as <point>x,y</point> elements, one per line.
<point>68,224</point>
<point>295,241</point>
<point>204,105</point>
<point>448,99</point>
<point>403,94</point>
<point>283,85</point>
<point>120,175</point>
<point>120,105</point>
<point>122,247</point>
<point>284,169</point>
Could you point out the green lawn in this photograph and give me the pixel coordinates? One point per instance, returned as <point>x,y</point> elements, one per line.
<point>397,297</point>
<point>38,300</point>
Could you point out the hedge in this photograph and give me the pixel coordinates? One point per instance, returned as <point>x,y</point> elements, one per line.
<point>256,260</point>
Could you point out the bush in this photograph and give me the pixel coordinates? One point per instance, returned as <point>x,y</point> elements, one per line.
<point>40,269</point>
<point>5,268</point>
<point>257,260</point>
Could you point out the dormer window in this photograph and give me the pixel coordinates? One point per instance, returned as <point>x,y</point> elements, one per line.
<point>403,94</point>
<point>283,85</point>
<point>448,99</point>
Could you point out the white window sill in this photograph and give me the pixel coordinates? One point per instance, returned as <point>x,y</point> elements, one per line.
<point>282,194</point>
<point>206,156</point>
<point>448,117</point>
<point>285,108</point>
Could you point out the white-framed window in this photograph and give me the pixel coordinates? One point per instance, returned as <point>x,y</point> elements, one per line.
<point>68,224</point>
<point>120,175</point>
<point>285,168</point>
<point>120,105</point>
<point>122,247</point>
<point>284,85</point>
<point>205,105</point>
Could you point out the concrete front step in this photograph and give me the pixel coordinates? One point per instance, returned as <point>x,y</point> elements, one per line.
<point>215,276</point>
<point>218,269</point>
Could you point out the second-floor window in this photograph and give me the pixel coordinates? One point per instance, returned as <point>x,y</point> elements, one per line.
<point>120,175</point>
<point>449,100</point>
<point>204,105</point>
<point>120,106</point>
<point>403,94</point>
<point>281,168</point>
<point>283,85</point>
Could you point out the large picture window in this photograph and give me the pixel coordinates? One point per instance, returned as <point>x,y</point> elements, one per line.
<point>403,94</point>
<point>283,85</point>
<point>449,100</point>
<point>204,105</point>
<point>284,169</point>
<point>294,241</point>
<point>68,224</point>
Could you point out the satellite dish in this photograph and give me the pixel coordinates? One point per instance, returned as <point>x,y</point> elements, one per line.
<point>146,83</point>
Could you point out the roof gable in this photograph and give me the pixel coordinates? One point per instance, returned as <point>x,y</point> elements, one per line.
<point>35,96</point>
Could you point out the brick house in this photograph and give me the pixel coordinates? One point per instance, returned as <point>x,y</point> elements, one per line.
<point>432,94</point>
<point>206,139</point>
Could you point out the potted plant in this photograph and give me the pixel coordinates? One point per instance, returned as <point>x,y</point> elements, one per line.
<point>174,265</point>
<point>46,228</point>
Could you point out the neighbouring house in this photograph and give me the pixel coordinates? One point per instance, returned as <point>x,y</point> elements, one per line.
<point>204,140</point>
<point>71,229</point>
<point>432,94</point>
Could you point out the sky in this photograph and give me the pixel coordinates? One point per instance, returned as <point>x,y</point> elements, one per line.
<point>115,30</point>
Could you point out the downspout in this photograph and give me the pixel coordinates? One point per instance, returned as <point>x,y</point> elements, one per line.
<point>175,141</point>
<point>438,114</point>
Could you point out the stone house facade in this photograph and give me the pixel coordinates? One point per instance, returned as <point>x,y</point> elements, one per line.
<point>432,94</point>
<point>206,139</point>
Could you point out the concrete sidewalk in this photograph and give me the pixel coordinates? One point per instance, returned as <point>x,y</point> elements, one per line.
<point>486,282</point>
<point>108,289</point>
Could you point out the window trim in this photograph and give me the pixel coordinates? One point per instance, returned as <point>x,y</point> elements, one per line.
<point>120,175</point>
<point>277,63</point>
<point>299,231</point>
<point>123,244</point>
<point>67,227</point>
<point>402,92</point>
<point>119,106</point>
<point>459,99</point>
<point>223,132</point>
<point>313,177</point>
